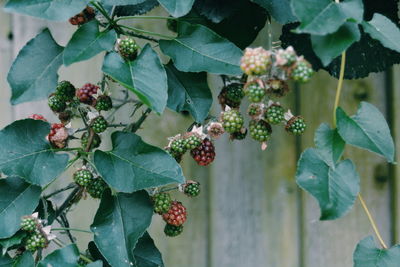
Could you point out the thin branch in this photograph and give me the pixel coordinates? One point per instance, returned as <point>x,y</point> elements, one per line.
<point>136,126</point>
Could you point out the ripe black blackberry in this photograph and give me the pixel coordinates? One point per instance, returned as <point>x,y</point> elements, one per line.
<point>172,230</point>
<point>260,130</point>
<point>205,153</point>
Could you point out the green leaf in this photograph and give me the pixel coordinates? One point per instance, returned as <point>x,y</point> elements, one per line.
<point>119,223</point>
<point>146,253</point>
<point>144,76</point>
<point>177,8</point>
<point>384,30</point>
<point>280,10</point>
<point>133,165</point>
<point>16,239</point>
<point>327,47</point>
<point>25,152</point>
<point>47,9</point>
<point>26,260</point>
<point>96,254</point>
<point>322,17</point>
<point>368,255</point>
<point>197,49</point>
<point>18,198</point>
<point>367,129</point>
<point>50,212</point>
<point>6,261</point>
<point>87,42</point>
<point>329,144</point>
<point>335,189</point>
<point>33,75</point>
<point>218,10</point>
<point>121,2</point>
<point>188,92</point>
<point>95,264</point>
<point>66,257</point>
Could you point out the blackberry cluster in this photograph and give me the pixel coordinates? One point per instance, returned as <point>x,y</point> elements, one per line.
<point>83,177</point>
<point>255,92</point>
<point>296,125</point>
<point>191,188</point>
<point>65,91</point>
<point>37,117</point>
<point>302,71</point>
<point>36,241</point>
<point>275,114</point>
<point>204,154</point>
<point>260,130</point>
<point>36,238</point>
<point>29,223</point>
<point>232,121</point>
<point>192,140</point>
<point>99,124</point>
<point>256,61</point>
<point>58,135</point>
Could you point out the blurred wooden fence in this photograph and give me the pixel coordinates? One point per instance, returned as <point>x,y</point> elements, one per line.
<point>250,212</point>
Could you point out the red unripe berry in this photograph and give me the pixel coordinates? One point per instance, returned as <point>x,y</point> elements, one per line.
<point>85,94</point>
<point>176,215</point>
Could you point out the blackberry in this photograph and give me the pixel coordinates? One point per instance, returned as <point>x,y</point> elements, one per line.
<point>255,92</point>
<point>239,135</point>
<point>255,61</point>
<point>260,130</point>
<point>99,124</point>
<point>302,71</point>
<point>65,90</point>
<point>36,241</point>
<point>255,109</point>
<point>232,121</point>
<point>296,125</point>
<point>96,187</point>
<point>176,215</point>
<point>56,103</point>
<point>86,92</point>
<point>191,188</point>
<point>192,140</point>
<point>234,94</point>
<point>204,154</point>
<point>275,114</point>
<point>172,230</point>
<point>103,102</point>
<point>83,177</point>
<point>277,87</point>
<point>29,223</point>
<point>128,49</point>
<point>178,146</point>
<point>162,202</point>
<point>95,142</point>
<point>85,16</point>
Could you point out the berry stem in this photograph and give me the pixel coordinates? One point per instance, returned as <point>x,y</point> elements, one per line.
<point>129,33</point>
<point>70,186</point>
<point>147,32</point>
<point>168,189</point>
<point>136,125</point>
<point>372,221</point>
<point>65,205</point>
<point>339,87</point>
<point>70,229</point>
<point>146,17</point>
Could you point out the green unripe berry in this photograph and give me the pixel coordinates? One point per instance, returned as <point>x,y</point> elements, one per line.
<point>96,187</point>
<point>275,114</point>
<point>29,224</point>
<point>56,103</point>
<point>255,93</point>
<point>192,189</point>
<point>83,177</point>
<point>192,141</point>
<point>260,130</point>
<point>103,102</point>
<point>172,230</point>
<point>232,121</point>
<point>296,125</point>
<point>65,90</point>
<point>302,71</point>
<point>99,124</point>
<point>162,203</point>
<point>128,49</point>
<point>95,142</point>
<point>35,241</point>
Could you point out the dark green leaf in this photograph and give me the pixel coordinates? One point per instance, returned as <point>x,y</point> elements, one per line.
<point>51,213</point>
<point>322,17</point>
<point>119,223</point>
<point>358,55</point>
<point>26,260</point>
<point>367,129</point>
<point>329,144</point>
<point>87,42</point>
<point>384,30</point>
<point>334,188</point>
<point>18,198</point>
<point>33,75</point>
<point>133,165</point>
<point>146,253</point>
<point>188,92</point>
<point>177,8</point>
<point>137,9</point>
<point>25,152</point>
<point>389,9</point>
<point>6,261</point>
<point>280,10</point>
<point>368,255</point>
<point>47,9</point>
<point>65,257</point>
<point>197,49</point>
<point>95,264</point>
<point>145,76</point>
<point>121,2</point>
<point>96,254</point>
<point>327,47</point>
<point>217,10</point>
<point>7,243</point>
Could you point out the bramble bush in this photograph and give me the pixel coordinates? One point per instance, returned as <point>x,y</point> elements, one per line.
<point>134,179</point>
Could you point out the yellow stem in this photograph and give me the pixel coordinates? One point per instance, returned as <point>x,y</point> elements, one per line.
<point>371,219</point>
<point>339,87</point>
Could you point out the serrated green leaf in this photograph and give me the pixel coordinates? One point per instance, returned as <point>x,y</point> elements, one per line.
<point>26,260</point>
<point>144,76</point>
<point>197,49</point>
<point>66,257</point>
<point>329,144</point>
<point>7,243</point>
<point>87,42</point>
<point>133,165</point>
<point>6,261</point>
<point>384,30</point>
<point>119,223</point>
<point>25,152</point>
<point>321,17</point>
<point>47,9</point>
<point>18,198</point>
<point>280,10</point>
<point>146,253</point>
<point>33,75</point>
<point>367,129</point>
<point>327,47</point>
<point>368,255</point>
<point>177,8</point>
<point>335,189</point>
<point>188,92</point>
